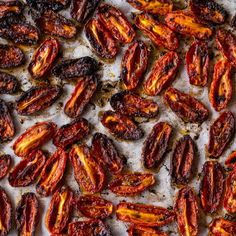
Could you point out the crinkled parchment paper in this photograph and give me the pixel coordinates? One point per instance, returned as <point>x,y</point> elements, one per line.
<point>162,194</point>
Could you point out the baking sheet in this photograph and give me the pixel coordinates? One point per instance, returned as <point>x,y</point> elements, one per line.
<point>162,194</point>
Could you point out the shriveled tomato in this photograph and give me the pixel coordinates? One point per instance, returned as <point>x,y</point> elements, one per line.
<point>43,58</point>
<point>28,170</point>
<point>101,39</point>
<point>163,73</point>
<point>131,104</point>
<point>138,230</point>
<point>58,213</point>
<point>226,42</point>
<point>183,158</point>
<point>82,10</point>
<point>37,99</point>
<point>230,193</point>
<point>187,212</point>
<point>94,207</point>
<point>186,107</point>
<point>106,153</point>
<point>88,173</point>
<point>116,22</point>
<point>198,63</point>
<point>33,138</point>
<point>10,8</point>
<point>184,22</point>
<point>156,145</point>
<point>7,127</point>
<point>146,215</point>
<point>134,64</point>
<point>70,133</point>
<point>8,83</point>
<point>154,7</point>
<point>52,23</point>
<point>231,160</point>
<point>89,227</point>
<point>121,126</point>
<point>52,173</point>
<point>222,227</point>
<point>5,163</point>
<point>74,68</point>
<point>18,31</point>
<point>81,96</point>
<point>159,33</point>
<point>27,214</point>
<point>209,11</point>
<point>221,133</point>
<point>212,186</point>
<point>5,213</point>
<point>11,56</point>
<point>221,88</point>
<point>131,184</point>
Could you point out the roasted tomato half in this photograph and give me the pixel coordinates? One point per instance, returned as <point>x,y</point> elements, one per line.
<point>83,10</point>
<point>8,83</point>
<point>221,89</point>
<point>33,138</point>
<point>52,173</point>
<point>222,227</point>
<point>94,207</point>
<point>138,230</point>
<point>81,96</point>
<point>5,163</point>
<point>52,23</point>
<point>10,8</point>
<point>163,73</point>
<point>88,173</point>
<point>184,156</point>
<point>5,213</point>
<point>221,133</point>
<point>28,170</point>
<point>18,31</point>
<point>134,64</point>
<point>100,39</point>
<point>209,11</point>
<point>89,227</point>
<point>231,160</point>
<point>146,215</point>
<point>37,99</point>
<point>58,213</point>
<point>74,68</point>
<point>188,108</point>
<point>43,58</point>
<point>226,42</point>
<point>42,5</point>
<point>10,56</point>
<point>116,22</point>
<point>121,126</point>
<point>230,193</point>
<point>212,186</point>
<point>106,153</point>
<point>7,128</point>
<point>159,33</point>
<point>186,23</point>
<point>155,7</point>
<point>187,212</point>
<point>27,214</point>
<point>131,104</point>
<point>131,184</point>
<point>198,63</point>
<point>156,144</point>
<point>70,133</point>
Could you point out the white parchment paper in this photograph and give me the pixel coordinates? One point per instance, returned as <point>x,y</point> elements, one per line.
<point>162,194</point>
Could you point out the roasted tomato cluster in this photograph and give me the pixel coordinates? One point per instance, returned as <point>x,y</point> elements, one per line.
<point>87,150</point>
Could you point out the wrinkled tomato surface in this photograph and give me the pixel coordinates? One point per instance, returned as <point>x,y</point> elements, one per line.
<point>222,227</point>
<point>5,163</point>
